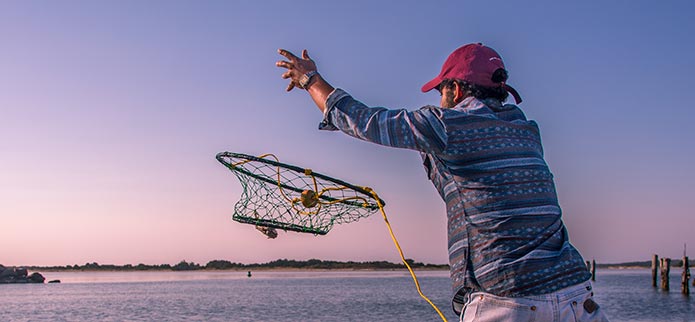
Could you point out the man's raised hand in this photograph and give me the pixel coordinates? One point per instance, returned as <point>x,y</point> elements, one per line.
<point>296,67</point>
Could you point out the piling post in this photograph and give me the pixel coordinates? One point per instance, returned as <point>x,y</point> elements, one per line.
<point>685,277</point>
<point>655,272</point>
<point>665,271</point>
<point>588,266</point>
<point>593,270</point>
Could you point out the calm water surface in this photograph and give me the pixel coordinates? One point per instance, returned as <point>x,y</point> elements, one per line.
<point>626,295</point>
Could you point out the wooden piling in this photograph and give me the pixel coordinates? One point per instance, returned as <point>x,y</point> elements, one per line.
<point>685,277</point>
<point>593,270</point>
<point>655,272</point>
<point>588,266</point>
<point>665,271</point>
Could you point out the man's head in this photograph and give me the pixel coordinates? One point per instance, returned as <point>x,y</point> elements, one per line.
<point>472,70</point>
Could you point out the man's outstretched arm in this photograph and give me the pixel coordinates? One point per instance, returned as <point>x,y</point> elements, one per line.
<point>419,130</point>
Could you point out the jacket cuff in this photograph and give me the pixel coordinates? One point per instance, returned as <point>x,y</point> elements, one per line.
<point>333,99</point>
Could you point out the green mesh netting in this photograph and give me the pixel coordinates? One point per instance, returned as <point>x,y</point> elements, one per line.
<point>278,195</point>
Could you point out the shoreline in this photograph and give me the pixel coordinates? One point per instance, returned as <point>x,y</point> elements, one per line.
<point>253,269</point>
<point>288,269</point>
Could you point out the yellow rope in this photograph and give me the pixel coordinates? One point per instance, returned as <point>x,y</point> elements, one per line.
<point>308,172</point>
<point>263,156</point>
<point>400,252</point>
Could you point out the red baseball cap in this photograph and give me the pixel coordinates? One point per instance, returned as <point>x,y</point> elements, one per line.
<point>473,63</point>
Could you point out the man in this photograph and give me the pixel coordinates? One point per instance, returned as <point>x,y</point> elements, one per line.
<point>509,252</point>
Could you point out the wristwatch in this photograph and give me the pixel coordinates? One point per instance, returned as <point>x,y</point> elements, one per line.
<point>306,78</point>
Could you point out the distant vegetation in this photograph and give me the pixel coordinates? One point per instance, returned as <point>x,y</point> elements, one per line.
<point>293,264</point>
<point>225,264</point>
<point>644,264</point>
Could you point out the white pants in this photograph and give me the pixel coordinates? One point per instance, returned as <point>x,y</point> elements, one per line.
<point>571,304</point>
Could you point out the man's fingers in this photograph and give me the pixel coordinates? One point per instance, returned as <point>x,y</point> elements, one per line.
<point>284,64</point>
<point>293,63</point>
<point>288,54</point>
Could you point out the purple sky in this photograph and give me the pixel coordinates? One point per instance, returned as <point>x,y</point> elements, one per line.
<point>111,114</point>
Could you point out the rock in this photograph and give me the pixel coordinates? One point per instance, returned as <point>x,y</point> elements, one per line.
<point>36,278</point>
<point>19,275</point>
<point>21,272</point>
<point>7,275</point>
<point>5,272</point>
<point>53,281</point>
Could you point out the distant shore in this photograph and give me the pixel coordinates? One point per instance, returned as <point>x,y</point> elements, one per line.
<point>261,269</point>
<point>294,265</point>
<point>641,264</point>
<point>280,264</point>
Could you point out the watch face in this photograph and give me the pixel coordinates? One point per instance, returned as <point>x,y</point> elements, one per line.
<point>304,80</point>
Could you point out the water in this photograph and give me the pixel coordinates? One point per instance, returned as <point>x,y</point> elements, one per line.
<point>626,295</point>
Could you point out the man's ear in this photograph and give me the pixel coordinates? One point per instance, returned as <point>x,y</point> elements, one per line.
<point>458,93</point>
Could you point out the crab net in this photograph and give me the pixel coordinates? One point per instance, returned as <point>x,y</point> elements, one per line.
<point>287,197</point>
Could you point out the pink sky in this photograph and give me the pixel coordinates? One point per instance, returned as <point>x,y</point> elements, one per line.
<point>111,115</point>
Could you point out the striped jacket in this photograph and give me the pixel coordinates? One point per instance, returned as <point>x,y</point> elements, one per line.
<point>505,232</point>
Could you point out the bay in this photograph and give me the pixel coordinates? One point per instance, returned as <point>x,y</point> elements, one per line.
<point>625,295</point>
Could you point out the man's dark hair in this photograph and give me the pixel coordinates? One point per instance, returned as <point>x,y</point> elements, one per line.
<point>477,91</point>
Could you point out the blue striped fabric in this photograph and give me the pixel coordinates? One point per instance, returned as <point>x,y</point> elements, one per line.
<point>485,159</point>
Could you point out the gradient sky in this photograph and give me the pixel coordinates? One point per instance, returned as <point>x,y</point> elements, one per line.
<point>111,114</point>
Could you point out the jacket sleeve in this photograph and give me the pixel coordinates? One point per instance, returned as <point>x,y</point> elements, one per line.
<point>421,130</point>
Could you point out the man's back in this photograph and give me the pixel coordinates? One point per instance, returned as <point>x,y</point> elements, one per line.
<point>505,231</point>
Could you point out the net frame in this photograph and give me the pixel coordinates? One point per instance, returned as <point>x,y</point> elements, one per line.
<point>338,201</point>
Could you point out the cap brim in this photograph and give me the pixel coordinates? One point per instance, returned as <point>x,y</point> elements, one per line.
<point>431,85</point>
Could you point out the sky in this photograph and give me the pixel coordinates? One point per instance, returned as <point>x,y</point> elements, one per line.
<point>111,113</point>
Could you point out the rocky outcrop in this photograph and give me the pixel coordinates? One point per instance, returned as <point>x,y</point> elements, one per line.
<point>19,275</point>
